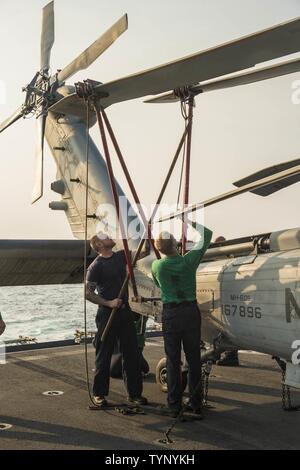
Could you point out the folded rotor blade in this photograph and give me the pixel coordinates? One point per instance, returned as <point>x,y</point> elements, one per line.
<point>246,78</point>
<point>47,37</point>
<point>279,177</point>
<point>11,120</point>
<point>228,58</point>
<point>39,160</point>
<point>95,50</point>
<point>272,170</point>
<point>165,98</point>
<point>253,76</point>
<point>215,62</point>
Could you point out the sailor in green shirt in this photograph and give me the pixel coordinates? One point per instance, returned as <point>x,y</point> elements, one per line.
<point>181,320</point>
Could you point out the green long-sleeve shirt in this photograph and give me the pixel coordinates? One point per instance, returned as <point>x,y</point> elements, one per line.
<point>176,275</point>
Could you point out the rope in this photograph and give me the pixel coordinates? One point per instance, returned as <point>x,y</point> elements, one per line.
<point>185,103</point>
<point>86,252</point>
<point>184,109</point>
<point>115,197</point>
<point>182,169</point>
<point>130,264</point>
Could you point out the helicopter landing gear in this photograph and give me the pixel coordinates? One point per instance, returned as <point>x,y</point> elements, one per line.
<point>161,376</point>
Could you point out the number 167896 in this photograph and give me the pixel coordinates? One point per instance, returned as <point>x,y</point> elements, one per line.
<point>244,311</point>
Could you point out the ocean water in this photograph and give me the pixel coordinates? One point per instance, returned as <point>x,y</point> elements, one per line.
<point>47,313</point>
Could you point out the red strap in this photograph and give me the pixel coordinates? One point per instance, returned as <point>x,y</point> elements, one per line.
<point>116,200</point>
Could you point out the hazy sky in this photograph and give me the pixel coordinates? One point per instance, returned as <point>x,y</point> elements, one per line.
<point>236,132</point>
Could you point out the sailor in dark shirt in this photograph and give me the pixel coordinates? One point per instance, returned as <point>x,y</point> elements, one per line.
<point>105,278</point>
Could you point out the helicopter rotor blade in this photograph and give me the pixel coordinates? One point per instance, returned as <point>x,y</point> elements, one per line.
<point>48,35</point>
<point>263,182</point>
<point>246,78</point>
<point>39,160</point>
<point>272,170</point>
<point>227,58</point>
<point>12,119</point>
<point>84,60</point>
<point>231,57</point>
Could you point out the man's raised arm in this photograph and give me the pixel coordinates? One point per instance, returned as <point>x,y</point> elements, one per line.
<point>196,254</point>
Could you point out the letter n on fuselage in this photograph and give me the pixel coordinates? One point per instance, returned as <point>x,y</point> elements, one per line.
<point>290,305</point>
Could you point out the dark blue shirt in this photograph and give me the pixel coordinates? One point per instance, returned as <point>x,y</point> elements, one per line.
<point>109,275</point>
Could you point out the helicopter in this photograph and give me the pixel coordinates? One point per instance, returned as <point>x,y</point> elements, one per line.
<point>248,289</point>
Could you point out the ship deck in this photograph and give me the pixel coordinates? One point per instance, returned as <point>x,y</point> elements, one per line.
<point>245,410</point>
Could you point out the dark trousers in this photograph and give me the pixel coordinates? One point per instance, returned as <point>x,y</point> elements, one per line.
<point>182,326</point>
<point>116,366</point>
<point>122,329</point>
